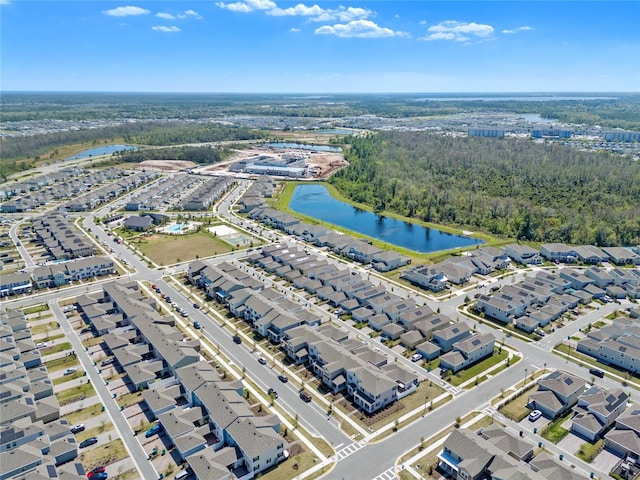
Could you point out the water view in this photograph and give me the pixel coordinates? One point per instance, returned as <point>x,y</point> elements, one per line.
<point>302,146</point>
<point>104,150</point>
<point>315,201</point>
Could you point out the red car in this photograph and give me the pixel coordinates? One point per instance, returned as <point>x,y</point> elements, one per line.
<point>100,469</point>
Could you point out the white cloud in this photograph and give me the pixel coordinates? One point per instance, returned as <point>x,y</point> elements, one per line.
<point>126,11</point>
<point>516,30</point>
<point>458,31</point>
<point>248,5</point>
<point>192,13</point>
<point>294,30</point>
<point>162,28</point>
<point>5,2</point>
<point>422,22</point>
<point>358,29</point>
<point>166,16</point>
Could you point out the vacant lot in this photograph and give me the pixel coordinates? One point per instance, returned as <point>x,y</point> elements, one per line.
<point>168,249</point>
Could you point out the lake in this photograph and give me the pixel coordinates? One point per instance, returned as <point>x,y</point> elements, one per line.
<point>315,201</point>
<point>302,146</point>
<point>104,150</point>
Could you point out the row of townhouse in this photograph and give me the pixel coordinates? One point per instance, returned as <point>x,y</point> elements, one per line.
<point>494,453</point>
<point>344,364</point>
<point>617,344</point>
<point>88,200</point>
<point>457,270</point>
<point>417,327</point>
<point>59,274</point>
<point>544,298</point>
<point>36,182</point>
<point>85,191</point>
<point>278,318</point>
<point>61,239</point>
<point>205,416</point>
<point>254,196</point>
<point>34,441</point>
<point>562,253</point>
<point>206,194</point>
<point>159,192</point>
<point>356,249</point>
<point>55,275</point>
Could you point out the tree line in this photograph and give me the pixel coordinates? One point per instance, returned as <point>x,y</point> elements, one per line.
<point>509,187</point>
<point>200,155</point>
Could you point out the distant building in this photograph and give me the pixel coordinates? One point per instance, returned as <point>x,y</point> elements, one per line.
<point>486,132</point>
<point>551,133</point>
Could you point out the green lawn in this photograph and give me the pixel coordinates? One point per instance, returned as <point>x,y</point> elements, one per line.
<point>516,409</point>
<point>68,378</point>
<point>589,451</point>
<point>103,454</point>
<point>169,249</point>
<point>35,309</point>
<point>104,426</point>
<point>74,394</point>
<point>554,432</point>
<point>61,363</point>
<point>478,368</point>
<point>79,416</point>
<point>61,347</point>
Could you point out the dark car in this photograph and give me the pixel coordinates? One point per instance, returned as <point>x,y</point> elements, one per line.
<point>305,396</point>
<point>237,339</point>
<point>596,372</point>
<point>283,378</point>
<point>88,442</point>
<point>100,476</point>
<point>77,428</point>
<point>108,361</point>
<point>99,469</point>
<point>273,393</point>
<point>197,325</point>
<point>196,305</point>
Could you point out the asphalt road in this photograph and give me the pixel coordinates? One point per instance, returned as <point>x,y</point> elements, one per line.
<point>367,461</point>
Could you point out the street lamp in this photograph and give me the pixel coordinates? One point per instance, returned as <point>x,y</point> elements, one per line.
<point>525,377</point>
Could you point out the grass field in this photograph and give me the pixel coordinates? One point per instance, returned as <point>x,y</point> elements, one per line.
<point>169,249</point>
<point>104,426</point>
<point>478,368</point>
<point>75,394</point>
<point>103,454</point>
<point>516,409</point>
<point>60,363</point>
<point>555,432</point>
<point>79,416</point>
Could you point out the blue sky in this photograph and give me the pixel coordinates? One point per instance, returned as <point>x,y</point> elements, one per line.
<point>330,47</point>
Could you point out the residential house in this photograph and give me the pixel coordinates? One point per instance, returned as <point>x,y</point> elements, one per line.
<point>557,393</point>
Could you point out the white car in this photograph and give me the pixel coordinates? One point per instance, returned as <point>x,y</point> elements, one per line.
<point>416,357</point>
<point>69,371</point>
<point>535,415</point>
<point>41,345</point>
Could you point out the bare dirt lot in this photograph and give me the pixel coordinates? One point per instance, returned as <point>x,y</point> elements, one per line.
<point>324,164</point>
<point>165,165</point>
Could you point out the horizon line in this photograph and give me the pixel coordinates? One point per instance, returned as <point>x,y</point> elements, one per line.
<point>523,92</point>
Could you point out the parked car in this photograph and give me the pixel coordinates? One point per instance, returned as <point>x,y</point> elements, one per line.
<point>41,345</point>
<point>262,361</point>
<point>283,378</point>
<point>99,476</point>
<point>106,362</point>
<point>305,396</point>
<point>596,372</point>
<point>152,431</point>
<point>69,371</point>
<point>184,314</point>
<point>535,415</point>
<point>85,330</point>
<point>99,469</point>
<point>88,442</point>
<point>77,428</point>
<point>416,357</point>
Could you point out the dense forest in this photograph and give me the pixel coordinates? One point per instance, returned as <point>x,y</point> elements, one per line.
<point>21,153</point>
<point>617,110</point>
<point>201,155</point>
<point>511,187</point>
